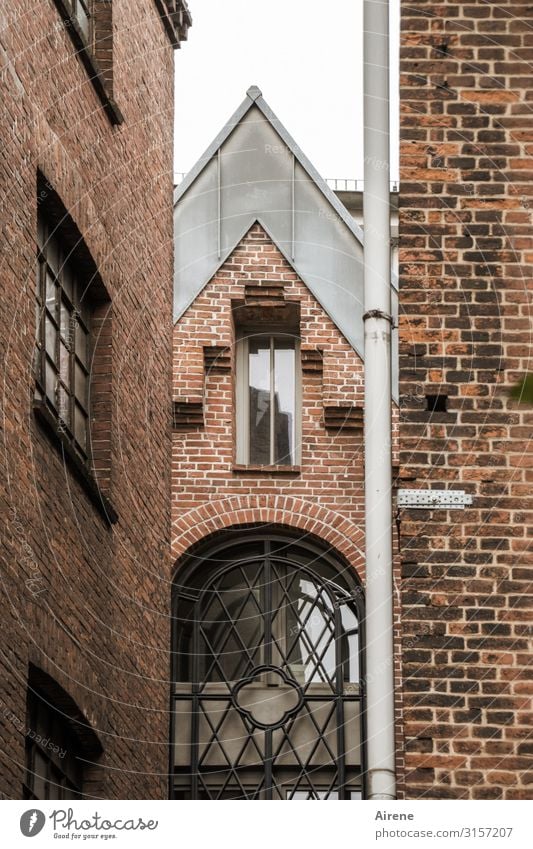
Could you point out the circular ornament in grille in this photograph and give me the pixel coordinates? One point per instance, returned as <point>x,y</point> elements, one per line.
<point>272,709</point>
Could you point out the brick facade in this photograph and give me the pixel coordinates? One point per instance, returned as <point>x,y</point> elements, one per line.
<point>465,257</point>
<point>324,497</point>
<point>330,478</point>
<point>85,601</point>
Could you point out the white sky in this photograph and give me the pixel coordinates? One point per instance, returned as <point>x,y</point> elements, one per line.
<point>306,56</point>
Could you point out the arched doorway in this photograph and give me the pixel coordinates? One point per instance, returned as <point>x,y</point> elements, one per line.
<point>267,683</point>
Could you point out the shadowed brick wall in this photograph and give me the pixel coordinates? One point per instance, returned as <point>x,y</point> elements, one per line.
<point>82,600</point>
<point>466,246</point>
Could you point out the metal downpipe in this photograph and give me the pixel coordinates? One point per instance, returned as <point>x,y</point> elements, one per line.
<point>379,651</point>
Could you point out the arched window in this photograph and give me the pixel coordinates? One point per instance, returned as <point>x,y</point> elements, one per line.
<point>267,696</point>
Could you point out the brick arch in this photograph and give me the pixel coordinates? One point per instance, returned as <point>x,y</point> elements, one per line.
<point>220,514</point>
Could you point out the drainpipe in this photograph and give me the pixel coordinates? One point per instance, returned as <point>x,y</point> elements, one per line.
<point>379,653</point>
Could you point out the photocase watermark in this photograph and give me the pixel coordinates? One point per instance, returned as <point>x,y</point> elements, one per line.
<point>280,150</point>
<point>31,734</point>
<point>65,825</point>
<point>35,583</point>
<point>377,164</point>
<point>332,216</point>
<point>32,822</point>
<point>65,820</point>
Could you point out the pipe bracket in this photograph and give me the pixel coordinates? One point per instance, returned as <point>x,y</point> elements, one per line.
<point>378,314</point>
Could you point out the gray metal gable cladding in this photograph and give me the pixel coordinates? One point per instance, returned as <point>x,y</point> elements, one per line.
<point>254,171</point>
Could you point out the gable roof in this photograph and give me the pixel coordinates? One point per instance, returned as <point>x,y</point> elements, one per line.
<point>254,171</point>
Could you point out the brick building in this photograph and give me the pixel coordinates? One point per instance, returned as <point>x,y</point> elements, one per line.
<point>86,223</point>
<point>265,490</point>
<point>465,340</point>
<point>267,475</point>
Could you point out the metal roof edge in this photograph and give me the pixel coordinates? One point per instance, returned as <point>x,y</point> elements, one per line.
<point>255,96</point>
<point>248,226</point>
<point>251,96</point>
<point>307,165</point>
<point>250,223</point>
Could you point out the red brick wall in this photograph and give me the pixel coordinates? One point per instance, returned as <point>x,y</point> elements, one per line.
<point>86,602</point>
<point>325,497</point>
<point>332,464</point>
<point>465,254</point>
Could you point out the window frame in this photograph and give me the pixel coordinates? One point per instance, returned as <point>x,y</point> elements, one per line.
<point>242,402</point>
<point>88,51</point>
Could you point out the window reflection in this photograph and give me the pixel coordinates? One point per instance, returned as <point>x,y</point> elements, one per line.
<point>310,634</point>
<point>284,402</point>
<point>260,394</point>
<point>272,401</point>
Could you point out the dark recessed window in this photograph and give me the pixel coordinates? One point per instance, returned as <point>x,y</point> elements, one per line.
<point>62,338</point>
<point>268,388</point>
<point>437,403</point>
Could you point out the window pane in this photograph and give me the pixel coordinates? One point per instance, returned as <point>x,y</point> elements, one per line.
<point>52,252</point>
<point>310,626</point>
<point>50,337</point>
<point>82,16</point>
<point>259,397</point>
<point>38,279</point>
<point>64,363</point>
<point>80,384</point>
<point>68,281</point>
<point>81,343</point>
<point>231,636</point>
<point>65,320</point>
<point>63,405</point>
<point>284,403</point>
<point>50,380</point>
<point>51,290</point>
<point>350,644</point>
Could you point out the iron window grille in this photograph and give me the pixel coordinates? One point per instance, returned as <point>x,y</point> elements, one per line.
<point>62,338</point>
<point>268,694</point>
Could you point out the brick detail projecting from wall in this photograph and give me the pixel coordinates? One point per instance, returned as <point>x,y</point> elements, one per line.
<point>466,247</point>
<point>332,464</point>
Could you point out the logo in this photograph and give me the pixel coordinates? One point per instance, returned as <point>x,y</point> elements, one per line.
<point>32,822</point>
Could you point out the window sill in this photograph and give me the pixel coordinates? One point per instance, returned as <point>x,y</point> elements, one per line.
<point>268,470</point>
<point>89,62</point>
<point>83,475</point>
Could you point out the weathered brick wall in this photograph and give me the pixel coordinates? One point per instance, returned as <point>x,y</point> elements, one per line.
<point>325,497</point>
<point>465,276</point>
<point>87,602</point>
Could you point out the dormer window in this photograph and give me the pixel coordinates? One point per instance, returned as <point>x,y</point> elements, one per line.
<point>268,391</point>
